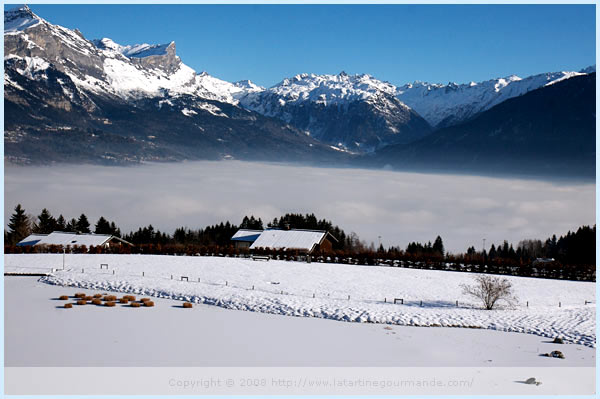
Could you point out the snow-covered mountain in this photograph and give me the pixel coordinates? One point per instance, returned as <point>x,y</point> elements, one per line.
<point>354,112</point>
<point>447,105</point>
<point>549,131</point>
<point>105,67</point>
<point>69,98</point>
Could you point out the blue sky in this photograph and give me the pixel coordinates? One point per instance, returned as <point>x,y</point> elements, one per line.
<point>397,43</point>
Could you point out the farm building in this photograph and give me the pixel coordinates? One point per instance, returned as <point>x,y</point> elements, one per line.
<point>71,239</point>
<point>243,238</point>
<point>308,241</point>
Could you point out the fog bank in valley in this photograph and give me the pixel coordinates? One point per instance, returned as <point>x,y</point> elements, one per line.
<point>399,207</point>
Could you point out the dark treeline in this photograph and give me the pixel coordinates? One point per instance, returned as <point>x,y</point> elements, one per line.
<point>570,256</point>
<point>22,224</point>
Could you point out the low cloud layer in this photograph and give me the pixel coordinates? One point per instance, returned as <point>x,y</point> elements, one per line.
<point>399,207</point>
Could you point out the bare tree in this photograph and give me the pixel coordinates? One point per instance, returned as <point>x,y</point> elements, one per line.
<point>490,290</point>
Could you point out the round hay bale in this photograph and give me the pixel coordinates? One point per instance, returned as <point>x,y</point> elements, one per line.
<point>110,304</point>
<point>187,305</point>
<point>123,300</point>
<point>68,305</point>
<point>87,298</point>
<point>79,295</point>
<point>81,302</point>
<point>97,295</point>
<point>558,340</point>
<point>110,298</point>
<point>97,301</point>
<point>64,297</point>
<point>144,299</point>
<point>135,304</point>
<point>131,298</point>
<point>148,303</point>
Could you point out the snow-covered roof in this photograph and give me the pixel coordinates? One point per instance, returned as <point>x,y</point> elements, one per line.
<point>64,239</point>
<point>290,239</point>
<point>31,239</point>
<point>246,235</point>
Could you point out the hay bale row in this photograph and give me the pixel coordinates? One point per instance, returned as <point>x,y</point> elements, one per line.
<point>109,300</point>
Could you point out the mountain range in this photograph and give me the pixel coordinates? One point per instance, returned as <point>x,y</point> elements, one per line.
<point>70,99</point>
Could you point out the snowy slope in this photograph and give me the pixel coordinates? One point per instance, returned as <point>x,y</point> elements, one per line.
<point>445,105</point>
<point>334,291</point>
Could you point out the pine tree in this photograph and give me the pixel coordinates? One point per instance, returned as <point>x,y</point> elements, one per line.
<point>19,225</point>
<point>72,225</point>
<point>83,225</point>
<point>438,246</point>
<point>115,231</point>
<point>102,226</point>
<point>46,223</point>
<point>61,223</point>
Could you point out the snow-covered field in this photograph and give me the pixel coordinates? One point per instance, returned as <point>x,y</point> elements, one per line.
<point>41,333</point>
<point>332,291</point>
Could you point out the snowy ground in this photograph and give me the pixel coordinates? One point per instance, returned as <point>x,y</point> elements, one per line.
<point>287,288</point>
<point>40,333</point>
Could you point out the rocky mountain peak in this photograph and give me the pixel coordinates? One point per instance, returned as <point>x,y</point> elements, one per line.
<point>19,18</point>
<point>156,56</point>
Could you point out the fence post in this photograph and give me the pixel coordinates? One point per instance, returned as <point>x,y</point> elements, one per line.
<point>252,288</point>
<point>527,303</point>
<point>384,300</point>
<point>313,295</point>
<point>559,304</point>
<point>113,271</point>
<point>421,304</point>
<point>82,270</point>
<point>348,297</point>
<point>143,274</point>
<point>225,283</point>
<point>456,303</point>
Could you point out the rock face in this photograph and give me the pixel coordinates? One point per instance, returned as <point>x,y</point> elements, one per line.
<point>351,112</point>
<point>166,61</point>
<point>27,35</point>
